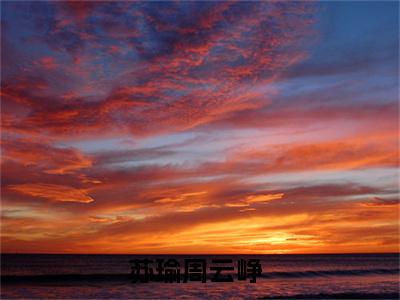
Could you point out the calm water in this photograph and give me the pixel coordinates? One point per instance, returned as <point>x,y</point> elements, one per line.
<point>366,276</point>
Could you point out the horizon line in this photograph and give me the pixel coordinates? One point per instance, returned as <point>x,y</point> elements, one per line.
<point>153,254</point>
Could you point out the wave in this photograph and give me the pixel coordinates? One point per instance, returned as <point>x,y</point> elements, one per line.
<point>127,277</point>
<point>64,277</point>
<point>390,296</point>
<point>356,272</point>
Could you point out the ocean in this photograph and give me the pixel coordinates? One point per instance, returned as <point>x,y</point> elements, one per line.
<point>314,276</point>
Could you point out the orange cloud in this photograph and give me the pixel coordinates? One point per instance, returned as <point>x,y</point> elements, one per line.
<point>259,198</point>
<point>53,192</point>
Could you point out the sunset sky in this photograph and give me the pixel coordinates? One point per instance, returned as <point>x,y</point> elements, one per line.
<point>199,127</point>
